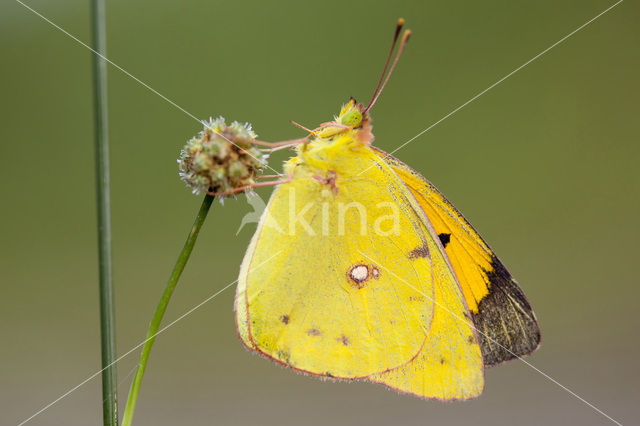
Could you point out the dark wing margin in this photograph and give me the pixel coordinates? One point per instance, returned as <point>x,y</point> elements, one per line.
<point>507,327</point>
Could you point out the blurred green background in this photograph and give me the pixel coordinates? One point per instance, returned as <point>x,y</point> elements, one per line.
<point>545,165</point>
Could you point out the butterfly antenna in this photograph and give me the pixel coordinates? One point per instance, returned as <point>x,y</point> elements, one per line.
<point>399,26</point>
<point>403,43</point>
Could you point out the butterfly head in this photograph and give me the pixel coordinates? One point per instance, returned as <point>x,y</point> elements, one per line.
<point>351,121</point>
<point>348,130</point>
<point>352,114</point>
<point>351,128</point>
<point>354,119</point>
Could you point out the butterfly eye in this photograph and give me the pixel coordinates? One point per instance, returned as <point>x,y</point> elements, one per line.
<point>351,118</point>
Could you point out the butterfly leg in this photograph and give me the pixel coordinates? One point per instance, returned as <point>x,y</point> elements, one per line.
<point>322,126</point>
<point>271,146</point>
<point>268,176</point>
<point>331,181</point>
<point>248,187</point>
<point>278,148</point>
<point>290,142</point>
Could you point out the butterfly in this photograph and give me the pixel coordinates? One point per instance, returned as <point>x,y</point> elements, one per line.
<point>361,269</point>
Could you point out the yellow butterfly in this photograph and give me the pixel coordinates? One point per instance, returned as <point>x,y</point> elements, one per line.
<point>361,269</point>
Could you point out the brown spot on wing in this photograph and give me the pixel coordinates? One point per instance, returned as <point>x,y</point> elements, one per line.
<point>344,340</point>
<point>285,319</point>
<point>284,356</point>
<point>375,272</point>
<point>313,332</point>
<point>419,252</point>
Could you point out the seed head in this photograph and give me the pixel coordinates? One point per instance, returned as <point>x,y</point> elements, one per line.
<point>221,158</point>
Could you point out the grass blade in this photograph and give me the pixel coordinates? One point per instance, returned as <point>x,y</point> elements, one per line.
<point>107,315</point>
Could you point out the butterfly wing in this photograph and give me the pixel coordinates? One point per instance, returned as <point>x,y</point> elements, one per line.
<point>507,327</point>
<point>449,366</point>
<point>314,292</point>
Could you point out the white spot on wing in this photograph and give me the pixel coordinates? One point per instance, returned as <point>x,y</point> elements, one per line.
<point>359,273</point>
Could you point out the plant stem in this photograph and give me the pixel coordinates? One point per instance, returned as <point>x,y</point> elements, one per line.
<point>162,307</point>
<point>107,315</point>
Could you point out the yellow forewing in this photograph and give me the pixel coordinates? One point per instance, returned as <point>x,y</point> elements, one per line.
<point>299,300</point>
<point>469,255</point>
<point>507,327</point>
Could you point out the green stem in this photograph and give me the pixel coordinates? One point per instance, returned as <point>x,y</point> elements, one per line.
<point>107,315</point>
<point>162,307</point>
